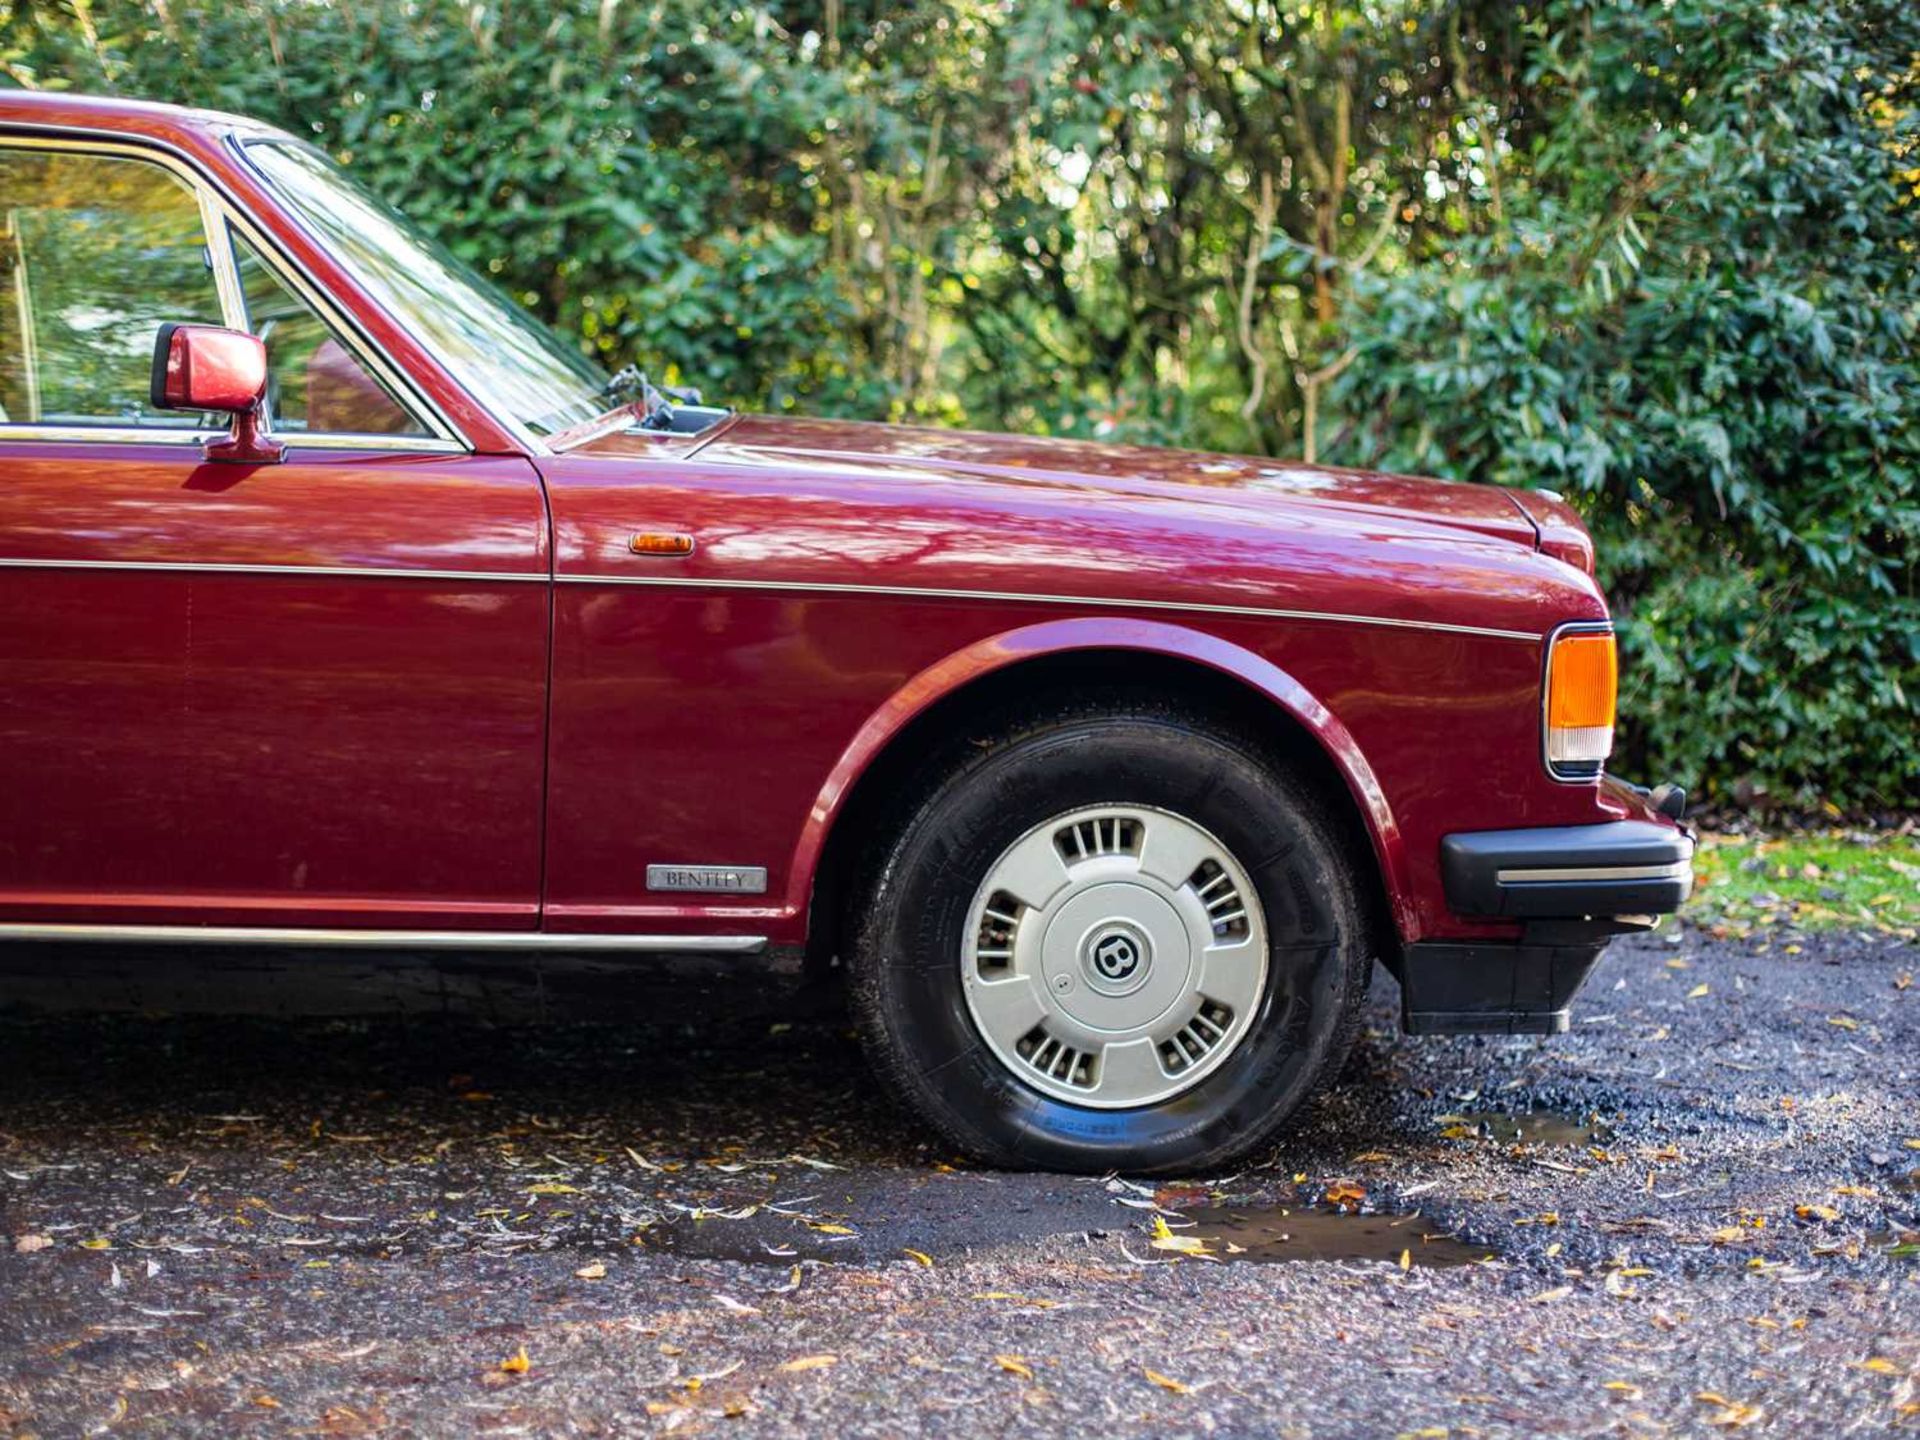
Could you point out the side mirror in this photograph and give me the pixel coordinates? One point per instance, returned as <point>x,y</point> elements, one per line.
<point>206,368</point>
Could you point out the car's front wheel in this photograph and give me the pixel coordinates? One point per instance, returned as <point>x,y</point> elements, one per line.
<point>1114,937</point>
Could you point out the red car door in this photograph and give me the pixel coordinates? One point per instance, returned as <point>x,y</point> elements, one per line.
<point>310,693</point>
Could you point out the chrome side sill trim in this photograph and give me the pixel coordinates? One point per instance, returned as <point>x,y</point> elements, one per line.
<point>1598,872</point>
<point>918,592</point>
<point>366,572</point>
<point>386,939</point>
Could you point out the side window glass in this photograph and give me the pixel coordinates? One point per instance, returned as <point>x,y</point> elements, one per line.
<point>315,384</point>
<point>96,253</point>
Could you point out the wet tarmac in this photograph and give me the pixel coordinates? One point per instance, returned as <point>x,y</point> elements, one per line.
<point>598,1201</point>
<point>1277,1234</point>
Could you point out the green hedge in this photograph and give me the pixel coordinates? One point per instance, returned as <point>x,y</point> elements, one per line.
<point>1659,257</point>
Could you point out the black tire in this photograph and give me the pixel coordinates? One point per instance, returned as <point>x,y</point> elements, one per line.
<point>905,959</point>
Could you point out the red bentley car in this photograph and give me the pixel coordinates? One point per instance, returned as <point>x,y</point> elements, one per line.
<point>343,604</point>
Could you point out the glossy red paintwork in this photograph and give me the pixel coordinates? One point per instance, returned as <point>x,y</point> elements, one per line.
<point>234,748</point>
<point>384,749</point>
<point>1436,731</point>
<point>208,368</point>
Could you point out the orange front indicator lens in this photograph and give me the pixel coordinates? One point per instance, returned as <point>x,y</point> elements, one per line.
<point>1583,681</point>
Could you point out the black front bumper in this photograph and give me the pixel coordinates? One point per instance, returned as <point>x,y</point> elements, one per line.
<point>1573,886</point>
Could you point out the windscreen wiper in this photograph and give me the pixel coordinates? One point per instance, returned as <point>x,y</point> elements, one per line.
<point>655,404</point>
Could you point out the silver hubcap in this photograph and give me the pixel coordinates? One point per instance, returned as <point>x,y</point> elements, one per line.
<point>1114,956</point>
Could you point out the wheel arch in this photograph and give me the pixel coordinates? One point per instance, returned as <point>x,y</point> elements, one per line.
<point>996,673</point>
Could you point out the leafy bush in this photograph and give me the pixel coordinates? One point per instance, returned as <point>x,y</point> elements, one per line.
<point>1699,321</point>
<point>1659,257</point>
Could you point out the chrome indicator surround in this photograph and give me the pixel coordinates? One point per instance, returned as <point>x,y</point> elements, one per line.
<point>1565,776</point>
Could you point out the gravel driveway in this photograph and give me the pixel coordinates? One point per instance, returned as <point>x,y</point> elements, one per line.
<point>680,1204</point>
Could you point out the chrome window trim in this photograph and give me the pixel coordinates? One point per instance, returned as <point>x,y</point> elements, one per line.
<point>367,441</point>
<point>916,592</point>
<point>194,567</point>
<point>213,196</point>
<point>187,435</point>
<point>111,434</point>
<point>226,274</point>
<point>385,939</point>
<point>502,415</point>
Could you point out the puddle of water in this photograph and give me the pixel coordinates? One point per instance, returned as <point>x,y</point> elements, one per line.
<point>1271,1234</point>
<point>753,1242</point>
<point>1532,1127</point>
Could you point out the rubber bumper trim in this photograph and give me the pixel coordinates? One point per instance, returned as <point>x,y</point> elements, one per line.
<point>1565,872</point>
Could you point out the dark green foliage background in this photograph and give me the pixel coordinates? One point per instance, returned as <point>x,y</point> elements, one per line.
<point>1663,258</point>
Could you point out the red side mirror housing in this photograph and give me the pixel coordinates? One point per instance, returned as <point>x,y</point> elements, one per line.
<point>206,368</point>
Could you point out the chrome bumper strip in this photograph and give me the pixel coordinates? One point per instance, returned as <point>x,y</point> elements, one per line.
<point>1599,872</point>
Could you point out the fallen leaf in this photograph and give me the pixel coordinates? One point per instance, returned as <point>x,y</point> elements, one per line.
<point>1406,1259</point>
<point>551,1187</point>
<point>919,1258</point>
<point>825,1229</point>
<point>1816,1212</point>
<point>1735,1415</point>
<point>1165,1239</point>
<point>31,1244</point>
<point>1167,1382</point>
<point>595,1271</point>
<point>96,1244</point>
<point>1547,1297</point>
<point>1346,1194</point>
<point>1177,1197</point>
<point>517,1363</point>
<point>1845,1022</point>
<point>1879,1365</point>
<point>1697,991</point>
<point>810,1362</point>
<point>1014,1365</point>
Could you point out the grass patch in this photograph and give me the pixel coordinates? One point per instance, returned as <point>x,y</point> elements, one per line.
<point>1814,880</point>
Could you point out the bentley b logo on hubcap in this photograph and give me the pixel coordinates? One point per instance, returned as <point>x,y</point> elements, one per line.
<point>1116,957</point>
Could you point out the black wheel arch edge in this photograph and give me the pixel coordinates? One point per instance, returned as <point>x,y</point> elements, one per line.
<point>882,797</point>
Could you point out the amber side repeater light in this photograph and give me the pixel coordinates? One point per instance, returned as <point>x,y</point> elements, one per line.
<point>1583,681</point>
<point>661,542</point>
